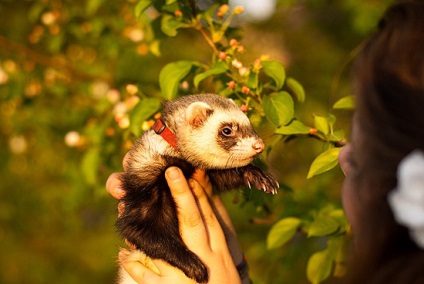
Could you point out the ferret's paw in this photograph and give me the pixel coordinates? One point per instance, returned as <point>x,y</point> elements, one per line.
<point>261,180</point>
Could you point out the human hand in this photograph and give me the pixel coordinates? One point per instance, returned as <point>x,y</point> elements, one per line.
<point>200,227</point>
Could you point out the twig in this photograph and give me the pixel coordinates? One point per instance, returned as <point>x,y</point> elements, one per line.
<point>55,63</point>
<point>208,39</point>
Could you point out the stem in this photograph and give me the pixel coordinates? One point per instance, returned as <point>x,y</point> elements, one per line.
<point>352,55</point>
<point>337,144</point>
<point>207,38</point>
<point>255,97</point>
<point>227,22</point>
<point>242,98</point>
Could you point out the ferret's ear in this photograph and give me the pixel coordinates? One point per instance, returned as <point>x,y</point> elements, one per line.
<point>197,113</point>
<point>233,102</point>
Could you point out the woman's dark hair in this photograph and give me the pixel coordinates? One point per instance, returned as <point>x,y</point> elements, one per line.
<point>389,81</point>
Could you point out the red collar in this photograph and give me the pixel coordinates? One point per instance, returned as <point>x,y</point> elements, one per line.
<point>160,128</point>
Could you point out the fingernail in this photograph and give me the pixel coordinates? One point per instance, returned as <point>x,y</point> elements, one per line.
<point>122,255</point>
<point>173,173</point>
<point>120,193</point>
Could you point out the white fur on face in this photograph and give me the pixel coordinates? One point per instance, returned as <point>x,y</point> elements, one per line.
<point>205,151</point>
<point>245,148</point>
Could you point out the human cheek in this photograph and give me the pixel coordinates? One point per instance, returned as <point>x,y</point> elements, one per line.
<point>344,159</point>
<point>347,194</point>
<point>348,201</point>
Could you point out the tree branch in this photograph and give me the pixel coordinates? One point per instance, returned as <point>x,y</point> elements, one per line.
<point>58,64</point>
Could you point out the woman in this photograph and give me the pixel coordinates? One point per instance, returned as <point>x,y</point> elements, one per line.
<point>387,126</point>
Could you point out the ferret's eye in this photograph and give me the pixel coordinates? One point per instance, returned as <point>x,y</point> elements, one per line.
<point>227,131</point>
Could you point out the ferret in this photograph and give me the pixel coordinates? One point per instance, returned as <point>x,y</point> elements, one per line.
<point>204,131</point>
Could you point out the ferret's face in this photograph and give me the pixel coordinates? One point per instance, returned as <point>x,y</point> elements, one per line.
<point>221,139</point>
<point>237,143</point>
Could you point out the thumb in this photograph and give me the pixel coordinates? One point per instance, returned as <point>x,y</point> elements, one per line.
<point>131,262</point>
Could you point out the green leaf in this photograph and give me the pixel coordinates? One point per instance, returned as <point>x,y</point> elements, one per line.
<point>154,48</point>
<point>93,6</point>
<point>282,231</point>
<point>319,266</point>
<point>34,11</point>
<point>275,70</point>
<point>226,92</point>
<point>171,75</point>
<point>252,80</point>
<point>339,248</point>
<point>322,124</point>
<point>324,162</point>
<point>141,112</point>
<point>331,120</point>
<point>295,127</point>
<point>170,8</point>
<point>219,68</point>
<point>90,165</point>
<point>339,216</point>
<point>347,102</point>
<point>337,135</point>
<point>170,24</point>
<point>322,226</point>
<point>279,108</point>
<point>141,6</point>
<point>56,43</point>
<point>296,88</point>
<point>217,35</point>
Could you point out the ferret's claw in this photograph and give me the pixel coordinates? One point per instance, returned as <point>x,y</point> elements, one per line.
<point>261,180</point>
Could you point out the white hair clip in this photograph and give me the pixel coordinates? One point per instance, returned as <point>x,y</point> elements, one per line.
<point>407,199</point>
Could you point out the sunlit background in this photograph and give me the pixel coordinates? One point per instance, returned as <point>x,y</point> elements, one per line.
<point>71,71</point>
<point>256,10</point>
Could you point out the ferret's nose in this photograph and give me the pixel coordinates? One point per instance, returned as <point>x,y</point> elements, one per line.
<point>258,146</point>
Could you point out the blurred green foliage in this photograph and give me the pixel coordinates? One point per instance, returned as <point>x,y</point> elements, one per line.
<point>71,71</point>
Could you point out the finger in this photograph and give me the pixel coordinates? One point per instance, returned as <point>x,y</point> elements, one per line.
<point>126,160</point>
<point>204,181</point>
<point>227,226</point>
<point>204,205</point>
<point>130,245</point>
<point>114,186</point>
<point>217,205</point>
<point>222,216</point>
<point>215,234</point>
<point>191,224</point>
<point>126,255</point>
<point>138,271</point>
<point>169,272</point>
